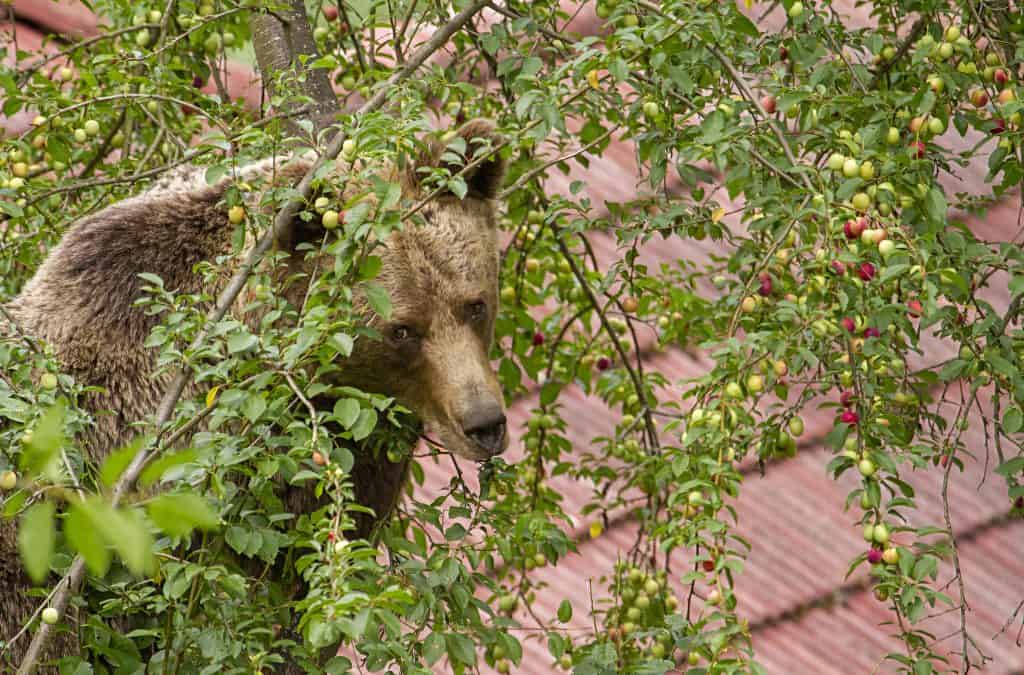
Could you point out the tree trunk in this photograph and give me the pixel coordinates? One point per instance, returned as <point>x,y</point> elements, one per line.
<point>280,39</point>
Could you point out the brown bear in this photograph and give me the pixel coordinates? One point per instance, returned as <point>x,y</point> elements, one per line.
<point>441,275</point>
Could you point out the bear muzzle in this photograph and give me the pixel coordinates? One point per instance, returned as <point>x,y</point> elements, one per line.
<point>485,425</point>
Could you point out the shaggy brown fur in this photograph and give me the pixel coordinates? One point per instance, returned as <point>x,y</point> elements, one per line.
<point>442,278</point>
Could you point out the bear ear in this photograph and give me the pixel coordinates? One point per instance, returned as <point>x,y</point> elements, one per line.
<point>473,141</point>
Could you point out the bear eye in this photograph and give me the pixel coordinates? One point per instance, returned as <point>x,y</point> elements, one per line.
<point>402,333</point>
<point>476,310</point>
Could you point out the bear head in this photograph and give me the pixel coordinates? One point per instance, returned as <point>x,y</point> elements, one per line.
<point>441,273</point>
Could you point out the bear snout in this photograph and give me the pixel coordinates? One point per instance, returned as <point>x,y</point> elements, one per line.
<point>484,424</point>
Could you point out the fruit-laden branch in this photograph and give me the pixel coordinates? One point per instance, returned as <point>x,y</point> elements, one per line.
<point>282,221</point>
<point>284,45</point>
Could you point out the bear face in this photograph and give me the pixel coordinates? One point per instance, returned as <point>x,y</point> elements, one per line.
<point>433,355</point>
<point>441,274</point>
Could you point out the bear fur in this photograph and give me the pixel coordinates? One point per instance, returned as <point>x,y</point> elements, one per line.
<point>442,277</point>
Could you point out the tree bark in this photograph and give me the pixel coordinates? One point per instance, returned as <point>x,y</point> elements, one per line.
<point>280,41</point>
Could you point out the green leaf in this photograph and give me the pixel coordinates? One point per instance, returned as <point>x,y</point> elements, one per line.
<point>130,538</point>
<point>1011,467</point>
<point>40,455</point>
<point>346,411</point>
<point>118,461</point>
<point>458,187</point>
<point>254,407</point>
<point>565,611</point>
<point>935,205</point>
<point>549,392</point>
<point>36,537</point>
<point>455,533</point>
<point>742,24</point>
<point>157,469</point>
<point>179,514</point>
<point>926,566</point>
<point>370,268</point>
<point>237,538</point>
<point>241,342</point>
<point>460,648</point>
<point>1013,420</point>
<point>215,173</point>
<point>379,300</point>
<point>433,648</point>
<point>342,343</point>
<point>365,424</point>
<point>83,528</point>
<point>11,209</point>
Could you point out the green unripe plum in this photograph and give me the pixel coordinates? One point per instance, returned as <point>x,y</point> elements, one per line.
<point>835,161</point>
<point>869,532</point>
<point>212,44</point>
<point>329,219</point>
<point>880,533</point>
<point>851,168</point>
<point>8,480</point>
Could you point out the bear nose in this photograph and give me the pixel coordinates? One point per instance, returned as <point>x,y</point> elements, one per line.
<point>485,426</point>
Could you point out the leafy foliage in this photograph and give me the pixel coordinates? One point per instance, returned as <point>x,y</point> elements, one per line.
<point>833,146</point>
